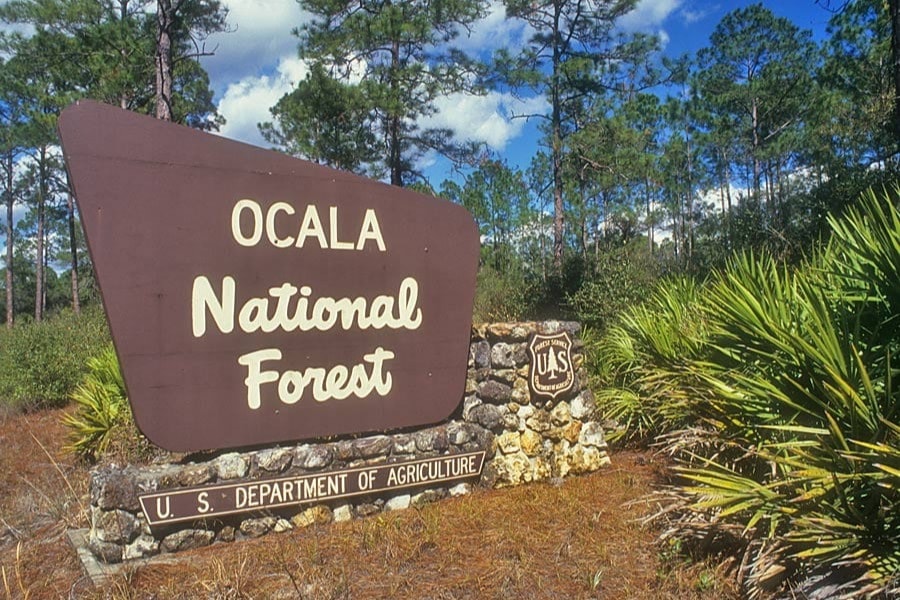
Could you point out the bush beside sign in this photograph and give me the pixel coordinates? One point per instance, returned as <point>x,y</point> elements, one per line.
<point>256,298</point>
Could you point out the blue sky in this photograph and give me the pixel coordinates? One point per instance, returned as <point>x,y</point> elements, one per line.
<point>257,63</point>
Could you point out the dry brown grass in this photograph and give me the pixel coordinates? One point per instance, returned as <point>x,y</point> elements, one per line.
<point>576,540</point>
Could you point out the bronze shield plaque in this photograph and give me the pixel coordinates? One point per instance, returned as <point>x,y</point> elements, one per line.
<point>552,372</point>
<point>257,298</point>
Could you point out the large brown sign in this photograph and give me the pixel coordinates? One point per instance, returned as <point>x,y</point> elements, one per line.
<point>255,298</point>
<point>215,501</point>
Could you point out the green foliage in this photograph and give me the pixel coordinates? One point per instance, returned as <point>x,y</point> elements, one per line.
<point>616,279</point>
<point>102,406</point>
<point>640,365</point>
<point>401,55</point>
<point>41,363</point>
<point>503,296</point>
<point>324,120</point>
<point>788,381</point>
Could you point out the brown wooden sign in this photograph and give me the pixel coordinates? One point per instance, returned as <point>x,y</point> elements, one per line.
<point>256,298</point>
<point>214,501</point>
<point>552,372</point>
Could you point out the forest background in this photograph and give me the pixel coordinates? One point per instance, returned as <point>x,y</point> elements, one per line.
<point>646,165</point>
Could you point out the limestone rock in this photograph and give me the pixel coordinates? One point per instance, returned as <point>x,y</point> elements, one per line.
<point>404,443</point>
<point>572,431</point>
<point>504,376</point>
<point>488,416</point>
<point>193,474</point>
<point>226,534</point>
<point>142,547</point>
<point>231,466</point>
<point>508,442</point>
<point>367,509</point>
<point>282,525</point>
<point>398,502</point>
<point>542,468</point>
<point>426,496</point>
<point>257,526</point>
<point>458,433</point>
<point>507,356</point>
<point>592,435</point>
<point>583,405</point>
<point>573,328</point>
<point>114,526</point>
<point>520,391</point>
<point>431,439</point>
<point>531,442</point>
<point>274,460</point>
<point>585,459</point>
<point>187,539</point>
<point>313,457</point>
<point>314,515</point>
<point>105,551</point>
<point>495,392</point>
<point>460,489</point>
<point>511,469</point>
<point>539,421</point>
<point>514,332</point>
<point>481,374</point>
<point>481,354</point>
<point>342,513</point>
<point>511,422</point>
<point>372,446</point>
<point>344,450</point>
<point>469,402</point>
<point>561,415</point>
<point>111,488</point>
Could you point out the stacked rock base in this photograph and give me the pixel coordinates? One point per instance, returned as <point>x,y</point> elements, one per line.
<point>525,438</point>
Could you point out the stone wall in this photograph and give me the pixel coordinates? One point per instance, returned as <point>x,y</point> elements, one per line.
<point>526,438</point>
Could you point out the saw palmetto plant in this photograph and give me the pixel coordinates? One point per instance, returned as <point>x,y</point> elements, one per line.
<point>644,384</point>
<point>792,396</point>
<point>102,406</point>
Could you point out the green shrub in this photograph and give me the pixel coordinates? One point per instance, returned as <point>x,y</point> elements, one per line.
<point>41,363</point>
<point>641,365</point>
<point>503,296</point>
<point>787,389</point>
<point>102,405</point>
<point>102,426</point>
<point>617,279</point>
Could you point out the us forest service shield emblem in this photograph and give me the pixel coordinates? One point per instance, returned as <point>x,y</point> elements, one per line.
<point>552,373</point>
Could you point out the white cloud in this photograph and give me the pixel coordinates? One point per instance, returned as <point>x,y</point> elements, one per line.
<point>255,66</point>
<point>648,14</point>
<point>492,32</point>
<point>247,102</point>
<point>691,16</point>
<point>494,118</point>
<point>261,39</point>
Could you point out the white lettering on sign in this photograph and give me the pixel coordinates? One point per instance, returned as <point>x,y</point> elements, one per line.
<point>285,310</point>
<point>337,383</point>
<point>310,227</point>
<point>290,308</point>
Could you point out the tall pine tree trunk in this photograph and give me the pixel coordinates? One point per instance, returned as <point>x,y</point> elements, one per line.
<point>39,250</point>
<point>894,7</point>
<point>556,149</point>
<point>165,22</point>
<point>394,123</point>
<point>9,241</point>
<point>73,250</point>
<point>756,166</point>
